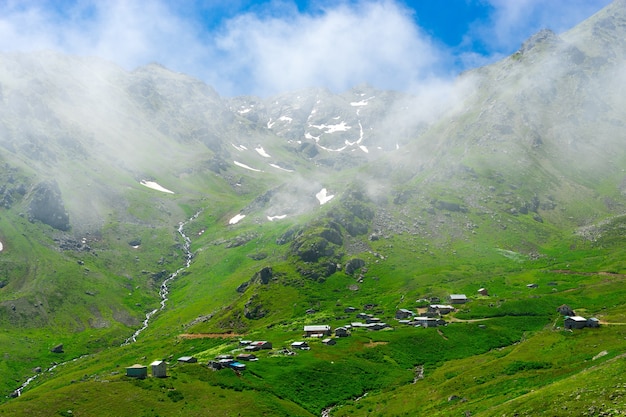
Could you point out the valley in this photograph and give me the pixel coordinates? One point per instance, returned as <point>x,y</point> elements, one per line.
<point>145,218</point>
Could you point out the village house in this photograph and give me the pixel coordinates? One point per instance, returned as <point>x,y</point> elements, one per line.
<point>440,308</point>
<point>378,326</point>
<point>349,310</point>
<point>159,369</point>
<point>593,322</point>
<point>137,371</point>
<point>300,345</point>
<point>483,291</point>
<point>317,330</point>
<point>247,357</point>
<point>364,316</point>
<point>575,322</point>
<point>329,342</point>
<point>238,366</point>
<point>403,313</point>
<point>458,298</point>
<point>370,320</point>
<point>258,345</point>
<point>342,332</point>
<point>428,322</point>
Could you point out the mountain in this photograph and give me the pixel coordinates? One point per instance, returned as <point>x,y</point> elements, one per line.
<point>145,217</point>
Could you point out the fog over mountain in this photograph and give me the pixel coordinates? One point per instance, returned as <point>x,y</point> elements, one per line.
<point>254,216</point>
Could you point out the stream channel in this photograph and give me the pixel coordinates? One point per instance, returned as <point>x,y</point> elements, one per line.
<point>163,293</point>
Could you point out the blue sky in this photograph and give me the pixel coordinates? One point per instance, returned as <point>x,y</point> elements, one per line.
<point>266,47</point>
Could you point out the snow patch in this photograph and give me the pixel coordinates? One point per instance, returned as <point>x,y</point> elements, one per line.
<point>239,164</point>
<point>240,148</point>
<point>270,123</point>
<point>236,219</point>
<point>364,148</point>
<point>285,119</point>
<point>364,102</point>
<point>341,127</point>
<point>281,168</point>
<point>1,247</point>
<point>279,217</point>
<point>155,186</point>
<point>262,152</point>
<point>323,196</point>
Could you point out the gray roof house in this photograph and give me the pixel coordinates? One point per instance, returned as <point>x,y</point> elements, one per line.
<point>575,322</point>
<point>458,298</point>
<point>317,330</point>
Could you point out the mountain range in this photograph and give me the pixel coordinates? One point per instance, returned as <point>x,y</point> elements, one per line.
<point>143,216</point>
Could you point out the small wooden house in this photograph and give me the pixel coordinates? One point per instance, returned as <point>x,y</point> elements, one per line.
<point>300,345</point>
<point>238,366</point>
<point>483,291</point>
<point>187,359</point>
<point>246,357</point>
<point>458,299</point>
<point>137,371</point>
<point>159,369</point>
<point>329,342</point>
<point>403,313</point>
<point>317,330</point>
<point>575,322</point>
<point>341,332</point>
<point>258,345</point>
<point>593,322</point>
<point>440,308</point>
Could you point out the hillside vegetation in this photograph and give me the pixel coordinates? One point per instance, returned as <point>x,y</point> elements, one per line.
<point>168,222</point>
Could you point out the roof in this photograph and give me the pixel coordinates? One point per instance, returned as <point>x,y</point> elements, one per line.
<point>441,306</point>
<point>136,366</point>
<point>317,328</point>
<point>298,343</point>
<point>186,358</point>
<point>576,318</point>
<point>404,310</point>
<point>458,296</point>
<point>156,363</point>
<point>259,342</point>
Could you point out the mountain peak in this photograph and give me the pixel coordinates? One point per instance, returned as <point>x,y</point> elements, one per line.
<point>544,37</point>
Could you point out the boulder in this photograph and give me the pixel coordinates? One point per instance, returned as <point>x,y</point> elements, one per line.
<point>46,206</point>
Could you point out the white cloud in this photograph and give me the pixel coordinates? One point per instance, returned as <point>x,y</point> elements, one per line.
<point>274,47</point>
<point>377,42</point>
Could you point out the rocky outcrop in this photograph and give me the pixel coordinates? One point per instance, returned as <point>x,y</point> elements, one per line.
<point>353,265</point>
<point>264,276</point>
<point>254,309</point>
<point>46,206</point>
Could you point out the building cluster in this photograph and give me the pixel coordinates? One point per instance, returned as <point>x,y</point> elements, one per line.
<point>431,316</point>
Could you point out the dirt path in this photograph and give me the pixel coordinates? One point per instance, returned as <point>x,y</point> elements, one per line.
<point>455,320</point>
<point>208,335</point>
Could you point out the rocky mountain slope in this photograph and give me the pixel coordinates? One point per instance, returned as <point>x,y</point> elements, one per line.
<point>271,213</point>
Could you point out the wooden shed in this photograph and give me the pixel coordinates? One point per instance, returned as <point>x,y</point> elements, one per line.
<point>137,371</point>
<point>159,369</point>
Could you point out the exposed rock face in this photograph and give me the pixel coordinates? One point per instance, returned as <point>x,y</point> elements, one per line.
<point>46,206</point>
<point>253,309</point>
<point>57,349</point>
<point>353,264</point>
<point>263,277</point>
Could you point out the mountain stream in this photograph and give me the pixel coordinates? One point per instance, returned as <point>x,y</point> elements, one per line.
<point>163,294</point>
